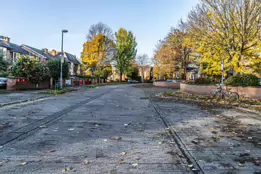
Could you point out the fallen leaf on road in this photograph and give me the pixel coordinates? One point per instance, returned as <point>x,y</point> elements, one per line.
<point>83,156</point>
<point>194,141</point>
<point>214,132</point>
<point>133,148</point>
<point>23,163</point>
<point>116,138</point>
<point>234,133</point>
<point>123,153</point>
<point>241,165</point>
<point>160,142</point>
<point>42,126</point>
<point>190,165</point>
<point>69,168</point>
<point>135,165</point>
<point>86,162</point>
<point>122,161</point>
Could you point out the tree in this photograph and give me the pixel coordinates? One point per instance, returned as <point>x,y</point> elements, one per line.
<point>228,30</point>
<point>31,69</point>
<point>133,72</point>
<point>99,28</point>
<point>142,61</point>
<point>55,69</point>
<point>125,50</point>
<point>3,64</point>
<point>99,48</point>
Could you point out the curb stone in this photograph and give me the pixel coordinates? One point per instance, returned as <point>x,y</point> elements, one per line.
<point>23,101</point>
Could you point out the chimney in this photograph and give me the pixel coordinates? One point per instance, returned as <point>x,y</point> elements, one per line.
<point>45,50</point>
<point>53,53</point>
<point>7,40</point>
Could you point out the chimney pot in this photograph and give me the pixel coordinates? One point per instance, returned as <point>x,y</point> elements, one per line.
<point>45,50</point>
<point>54,52</point>
<point>7,40</point>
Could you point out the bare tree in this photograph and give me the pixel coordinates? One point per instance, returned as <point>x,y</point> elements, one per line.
<point>99,28</point>
<point>142,61</point>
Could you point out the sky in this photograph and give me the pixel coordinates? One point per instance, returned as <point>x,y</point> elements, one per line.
<point>38,23</point>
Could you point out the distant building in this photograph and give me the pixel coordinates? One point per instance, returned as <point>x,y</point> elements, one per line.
<point>146,72</point>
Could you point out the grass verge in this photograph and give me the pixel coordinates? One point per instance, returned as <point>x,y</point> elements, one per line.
<point>58,92</point>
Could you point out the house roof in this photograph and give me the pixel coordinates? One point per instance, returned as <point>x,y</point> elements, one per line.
<point>39,52</point>
<point>18,49</point>
<point>3,44</point>
<point>13,47</point>
<point>69,58</point>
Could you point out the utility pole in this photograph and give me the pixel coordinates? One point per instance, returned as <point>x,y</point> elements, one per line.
<point>62,61</point>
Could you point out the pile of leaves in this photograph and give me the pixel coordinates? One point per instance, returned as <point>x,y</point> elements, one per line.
<point>206,101</point>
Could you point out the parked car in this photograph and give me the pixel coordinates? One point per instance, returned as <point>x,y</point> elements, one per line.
<point>3,82</point>
<point>133,81</point>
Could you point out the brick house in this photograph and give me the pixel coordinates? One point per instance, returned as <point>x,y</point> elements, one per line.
<point>42,55</point>
<point>74,63</point>
<point>10,50</point>
<point>146,72</point>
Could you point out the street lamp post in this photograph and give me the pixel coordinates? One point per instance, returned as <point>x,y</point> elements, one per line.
<point>62,61</point>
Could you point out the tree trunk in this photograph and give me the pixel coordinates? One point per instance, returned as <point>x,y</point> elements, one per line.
<point>120,76</point>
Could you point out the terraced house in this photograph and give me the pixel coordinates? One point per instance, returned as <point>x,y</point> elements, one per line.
<point>12,51</point>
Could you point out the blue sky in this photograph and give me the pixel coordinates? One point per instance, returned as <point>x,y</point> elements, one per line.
<point>38,23</point>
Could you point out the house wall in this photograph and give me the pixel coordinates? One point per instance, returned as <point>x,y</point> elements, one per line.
<point>175,85</point>
<point>13,84</point>
<point>7,54</point>
<point>250,92</point>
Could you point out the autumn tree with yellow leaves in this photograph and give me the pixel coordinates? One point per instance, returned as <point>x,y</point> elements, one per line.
<point>98,50</point>
<point>217,30</point>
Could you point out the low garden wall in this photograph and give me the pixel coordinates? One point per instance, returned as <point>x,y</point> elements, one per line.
<point>250,92</point>
<point>24,84</point>
<point>175,85</point>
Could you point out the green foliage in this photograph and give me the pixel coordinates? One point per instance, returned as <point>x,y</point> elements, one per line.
<point>206,81</point>
<point>3,65</point>
<point>107,71</point>
<point>126,50</point>
<point>133,73</point>
<point>241,79</point>
<point>30,68</point>
<point>55,69</point>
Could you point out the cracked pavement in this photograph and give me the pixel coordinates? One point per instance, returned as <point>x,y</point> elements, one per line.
<point>115,129</point>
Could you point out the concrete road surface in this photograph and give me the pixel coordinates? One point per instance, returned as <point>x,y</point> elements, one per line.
<point>112,129</point>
